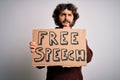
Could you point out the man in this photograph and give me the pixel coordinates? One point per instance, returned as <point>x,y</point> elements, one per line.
<point>65,16</point>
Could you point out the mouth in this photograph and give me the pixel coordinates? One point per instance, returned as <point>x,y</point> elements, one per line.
<point>66,21</point>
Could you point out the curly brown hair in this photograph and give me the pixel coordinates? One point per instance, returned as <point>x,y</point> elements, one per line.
<point>61,7</point>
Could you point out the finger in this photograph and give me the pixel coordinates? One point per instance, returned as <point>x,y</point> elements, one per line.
<point>32,51</point>
<point>32,47</point>
<point>32,43</point>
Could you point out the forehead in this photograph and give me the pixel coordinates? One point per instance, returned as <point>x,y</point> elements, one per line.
<point>66,11</point>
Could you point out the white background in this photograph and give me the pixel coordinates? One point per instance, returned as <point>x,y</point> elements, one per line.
<point>101,19</point>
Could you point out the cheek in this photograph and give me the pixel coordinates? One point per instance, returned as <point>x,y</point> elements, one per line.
<point>61,19</point>
<point>71,20</point>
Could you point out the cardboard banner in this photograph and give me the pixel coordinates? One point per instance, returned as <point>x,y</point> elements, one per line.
<point>63,47</point>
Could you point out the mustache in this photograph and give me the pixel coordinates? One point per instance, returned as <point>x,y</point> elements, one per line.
<point>66,21</point>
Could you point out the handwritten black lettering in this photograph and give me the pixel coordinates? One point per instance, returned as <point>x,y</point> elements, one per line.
<point>41,35</point>
<point>48,51</point>
<point>64,55</point>
<point>80,55</point>
<point>56,57</point>
<point>63,40</point>
<point>73,38</point>
<point>71,58</point>
<point>40,54</point>
<point>52,38</point>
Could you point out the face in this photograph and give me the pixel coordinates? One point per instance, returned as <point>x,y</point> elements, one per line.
<point>66,18</point>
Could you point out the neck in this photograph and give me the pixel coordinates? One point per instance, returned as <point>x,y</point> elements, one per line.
<point>66,27</point>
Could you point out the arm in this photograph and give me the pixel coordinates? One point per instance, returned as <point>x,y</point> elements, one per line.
<point>89,53</point>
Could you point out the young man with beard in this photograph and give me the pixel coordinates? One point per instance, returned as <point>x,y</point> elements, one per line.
<point>65,16</point>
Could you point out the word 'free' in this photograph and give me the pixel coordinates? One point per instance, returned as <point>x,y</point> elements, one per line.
<point>63,38</point>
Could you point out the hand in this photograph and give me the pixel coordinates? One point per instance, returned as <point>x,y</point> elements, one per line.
<point>33,46</point>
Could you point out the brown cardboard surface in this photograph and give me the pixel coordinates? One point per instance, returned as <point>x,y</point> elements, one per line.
<point>64,47</point>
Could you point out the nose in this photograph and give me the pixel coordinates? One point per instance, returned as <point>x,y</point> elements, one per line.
<point>66,17</point>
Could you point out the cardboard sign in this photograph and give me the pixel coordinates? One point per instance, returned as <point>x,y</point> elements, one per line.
<point>63,47</point>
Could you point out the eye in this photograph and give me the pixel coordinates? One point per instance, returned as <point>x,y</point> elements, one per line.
<point>63,14</point>
<point>69,14</point>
